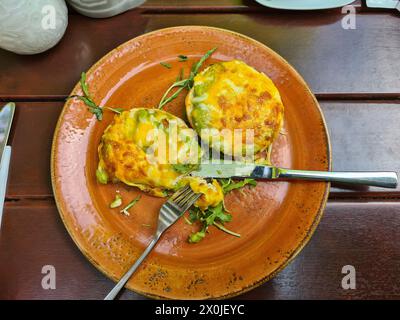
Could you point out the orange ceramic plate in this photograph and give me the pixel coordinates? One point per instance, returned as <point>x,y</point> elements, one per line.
<point>275,219</point>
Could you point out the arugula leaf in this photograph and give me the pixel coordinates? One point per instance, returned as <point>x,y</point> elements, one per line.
<point>216,216</point>
<point>194,214</point>
<point>130,205</point>
<point>197,66</point>
<point>116,110</point>
<point>217,213</point>
<point>221,227</point>
<point>84,85</point>
<point>166,65</point>
<point>180,75</point>
<point>177,84</point>
<point>86,99</point>
<point>182,58</point>
<point>184,83</point>
<point>187,220</point>
<point>229,185</point>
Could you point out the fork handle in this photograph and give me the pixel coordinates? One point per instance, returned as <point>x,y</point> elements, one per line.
<point>121,283</point>
<point>385,179</point>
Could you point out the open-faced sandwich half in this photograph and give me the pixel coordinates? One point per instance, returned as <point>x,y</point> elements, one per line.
<point>235,109</point>
<point>153,150</point>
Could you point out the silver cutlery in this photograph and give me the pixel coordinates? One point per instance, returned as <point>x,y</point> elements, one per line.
<point>170,212</point>
<point>6,118</point>
<point>384,179</point>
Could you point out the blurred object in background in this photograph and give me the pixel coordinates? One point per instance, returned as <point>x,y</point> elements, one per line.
<point>304,4</point>
<point>390,4</point>
<point>103,8</point>
<point>32,26</point>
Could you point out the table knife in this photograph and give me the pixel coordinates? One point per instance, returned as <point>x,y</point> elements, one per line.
<point>6,118</point>
<point>384,179</point>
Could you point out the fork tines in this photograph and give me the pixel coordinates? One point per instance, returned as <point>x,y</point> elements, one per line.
<point>184,198</point>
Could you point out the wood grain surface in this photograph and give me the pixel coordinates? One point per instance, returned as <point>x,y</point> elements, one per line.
<point>226,6</point>
<point>354,74</point>
<point>358,143</point>
<point>332,60</point>
<point>364,236</point>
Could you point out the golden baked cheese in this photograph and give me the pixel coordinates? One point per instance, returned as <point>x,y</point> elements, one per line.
<point>153,150</point>
<point>228,96</point>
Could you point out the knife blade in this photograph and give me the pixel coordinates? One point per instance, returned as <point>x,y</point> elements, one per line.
<point>233,170</point>
<point>385,179</point>
<point>6,118</point>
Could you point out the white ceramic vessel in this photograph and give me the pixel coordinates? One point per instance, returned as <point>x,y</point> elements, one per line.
<point>103,8</point>
<point>32,26</point>
<point>304,4</point>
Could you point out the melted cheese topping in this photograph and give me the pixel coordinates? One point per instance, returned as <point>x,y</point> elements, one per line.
<point>212,194</point>
<point>142,148</point>
<point>232,95</point>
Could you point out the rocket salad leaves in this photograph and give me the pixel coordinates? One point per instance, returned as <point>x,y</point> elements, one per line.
<point>88,101</point>
<point>216,216</point>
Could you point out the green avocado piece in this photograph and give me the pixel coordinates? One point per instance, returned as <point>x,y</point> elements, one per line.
<point>101,175</point>
<point>201,116</point>
<point>142,115</point>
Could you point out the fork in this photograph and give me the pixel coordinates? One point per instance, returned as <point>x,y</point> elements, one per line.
<point>170,212</point>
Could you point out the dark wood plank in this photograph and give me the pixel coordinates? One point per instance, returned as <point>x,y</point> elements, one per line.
<point>210,6</point>
<point>331,59</point>
<point>364,235</point>
<point>194,3</point>
<point>31,139</point>
<point>362,136</point>
<point>151,4</point>
<point>33,236</point>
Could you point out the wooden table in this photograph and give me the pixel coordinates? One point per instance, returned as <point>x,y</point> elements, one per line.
<point>355,75</point>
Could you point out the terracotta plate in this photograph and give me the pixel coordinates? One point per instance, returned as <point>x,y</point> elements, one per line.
<point>275,219</point>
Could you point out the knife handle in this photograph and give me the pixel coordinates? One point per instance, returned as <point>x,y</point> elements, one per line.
<point>384,179</point>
